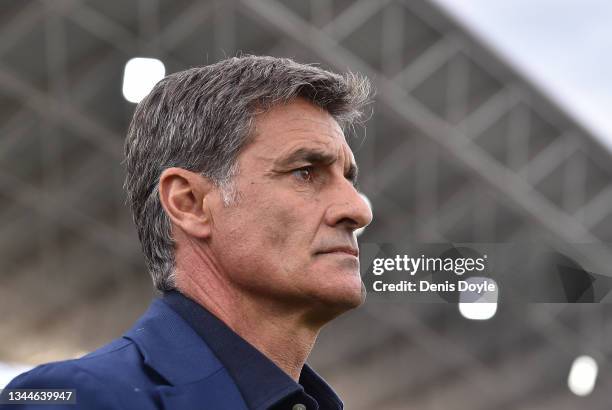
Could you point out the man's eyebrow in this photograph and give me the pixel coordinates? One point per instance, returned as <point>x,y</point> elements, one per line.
<point>314,156</point>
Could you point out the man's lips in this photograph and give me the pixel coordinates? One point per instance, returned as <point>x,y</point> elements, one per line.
<point>341,249</point>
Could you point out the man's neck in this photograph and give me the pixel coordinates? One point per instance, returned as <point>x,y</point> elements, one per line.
<point>286,337</point>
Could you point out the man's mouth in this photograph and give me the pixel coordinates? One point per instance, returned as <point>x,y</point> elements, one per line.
<point>342,250</point>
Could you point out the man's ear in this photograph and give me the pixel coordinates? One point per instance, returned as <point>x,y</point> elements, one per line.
<point>183,194</point>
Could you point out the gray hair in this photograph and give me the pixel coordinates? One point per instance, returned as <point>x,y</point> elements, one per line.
<point>200,119</point>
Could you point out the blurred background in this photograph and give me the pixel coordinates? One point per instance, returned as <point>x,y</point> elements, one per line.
<point>469,141</point>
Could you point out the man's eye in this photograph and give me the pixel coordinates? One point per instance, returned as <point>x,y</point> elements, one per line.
<point>304,174</point>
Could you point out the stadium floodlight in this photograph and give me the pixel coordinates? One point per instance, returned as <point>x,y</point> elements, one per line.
<point>582,376</point>
<point>478,306</point>
<point>139,77</point>
<point>367,201</point>
<point>478,311</point>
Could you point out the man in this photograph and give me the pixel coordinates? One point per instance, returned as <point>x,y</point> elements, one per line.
<point>242,188</point>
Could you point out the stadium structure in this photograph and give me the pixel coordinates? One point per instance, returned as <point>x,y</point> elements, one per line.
<point>460,148</point>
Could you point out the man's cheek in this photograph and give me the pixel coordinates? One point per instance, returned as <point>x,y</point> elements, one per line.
<point>280,225</point>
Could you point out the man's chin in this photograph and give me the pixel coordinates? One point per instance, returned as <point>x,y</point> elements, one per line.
<point>360,297</point>
<point>355,295</point>
<point>342,299</point>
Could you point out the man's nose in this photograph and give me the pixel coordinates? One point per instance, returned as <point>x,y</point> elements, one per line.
<point>348,208</point>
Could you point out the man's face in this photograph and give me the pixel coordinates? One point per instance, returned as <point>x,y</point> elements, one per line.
<point>290,235</point>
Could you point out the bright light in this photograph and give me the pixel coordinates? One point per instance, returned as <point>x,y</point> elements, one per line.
<point>139,77</point>
<point>478,311</point>
<point>582,376</point>
<point>8,371</point>
<point>367,201</point>
<point>479,306</point>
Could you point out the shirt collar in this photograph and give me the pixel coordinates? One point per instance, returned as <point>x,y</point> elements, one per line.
<point>262,383</point>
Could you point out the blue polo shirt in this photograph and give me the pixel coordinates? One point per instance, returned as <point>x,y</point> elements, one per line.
<point>264,386</point>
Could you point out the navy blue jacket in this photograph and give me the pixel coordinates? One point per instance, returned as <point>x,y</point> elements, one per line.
<point>177,356</point>
<point>161,363</point>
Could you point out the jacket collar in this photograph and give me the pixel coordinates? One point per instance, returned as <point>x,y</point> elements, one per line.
<point>173,350</point>
<point>171,347</point>
<point>261,382</point>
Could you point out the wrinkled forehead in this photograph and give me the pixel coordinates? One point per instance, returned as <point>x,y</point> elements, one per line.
<point>300,124</point>
<point>299,115</point>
